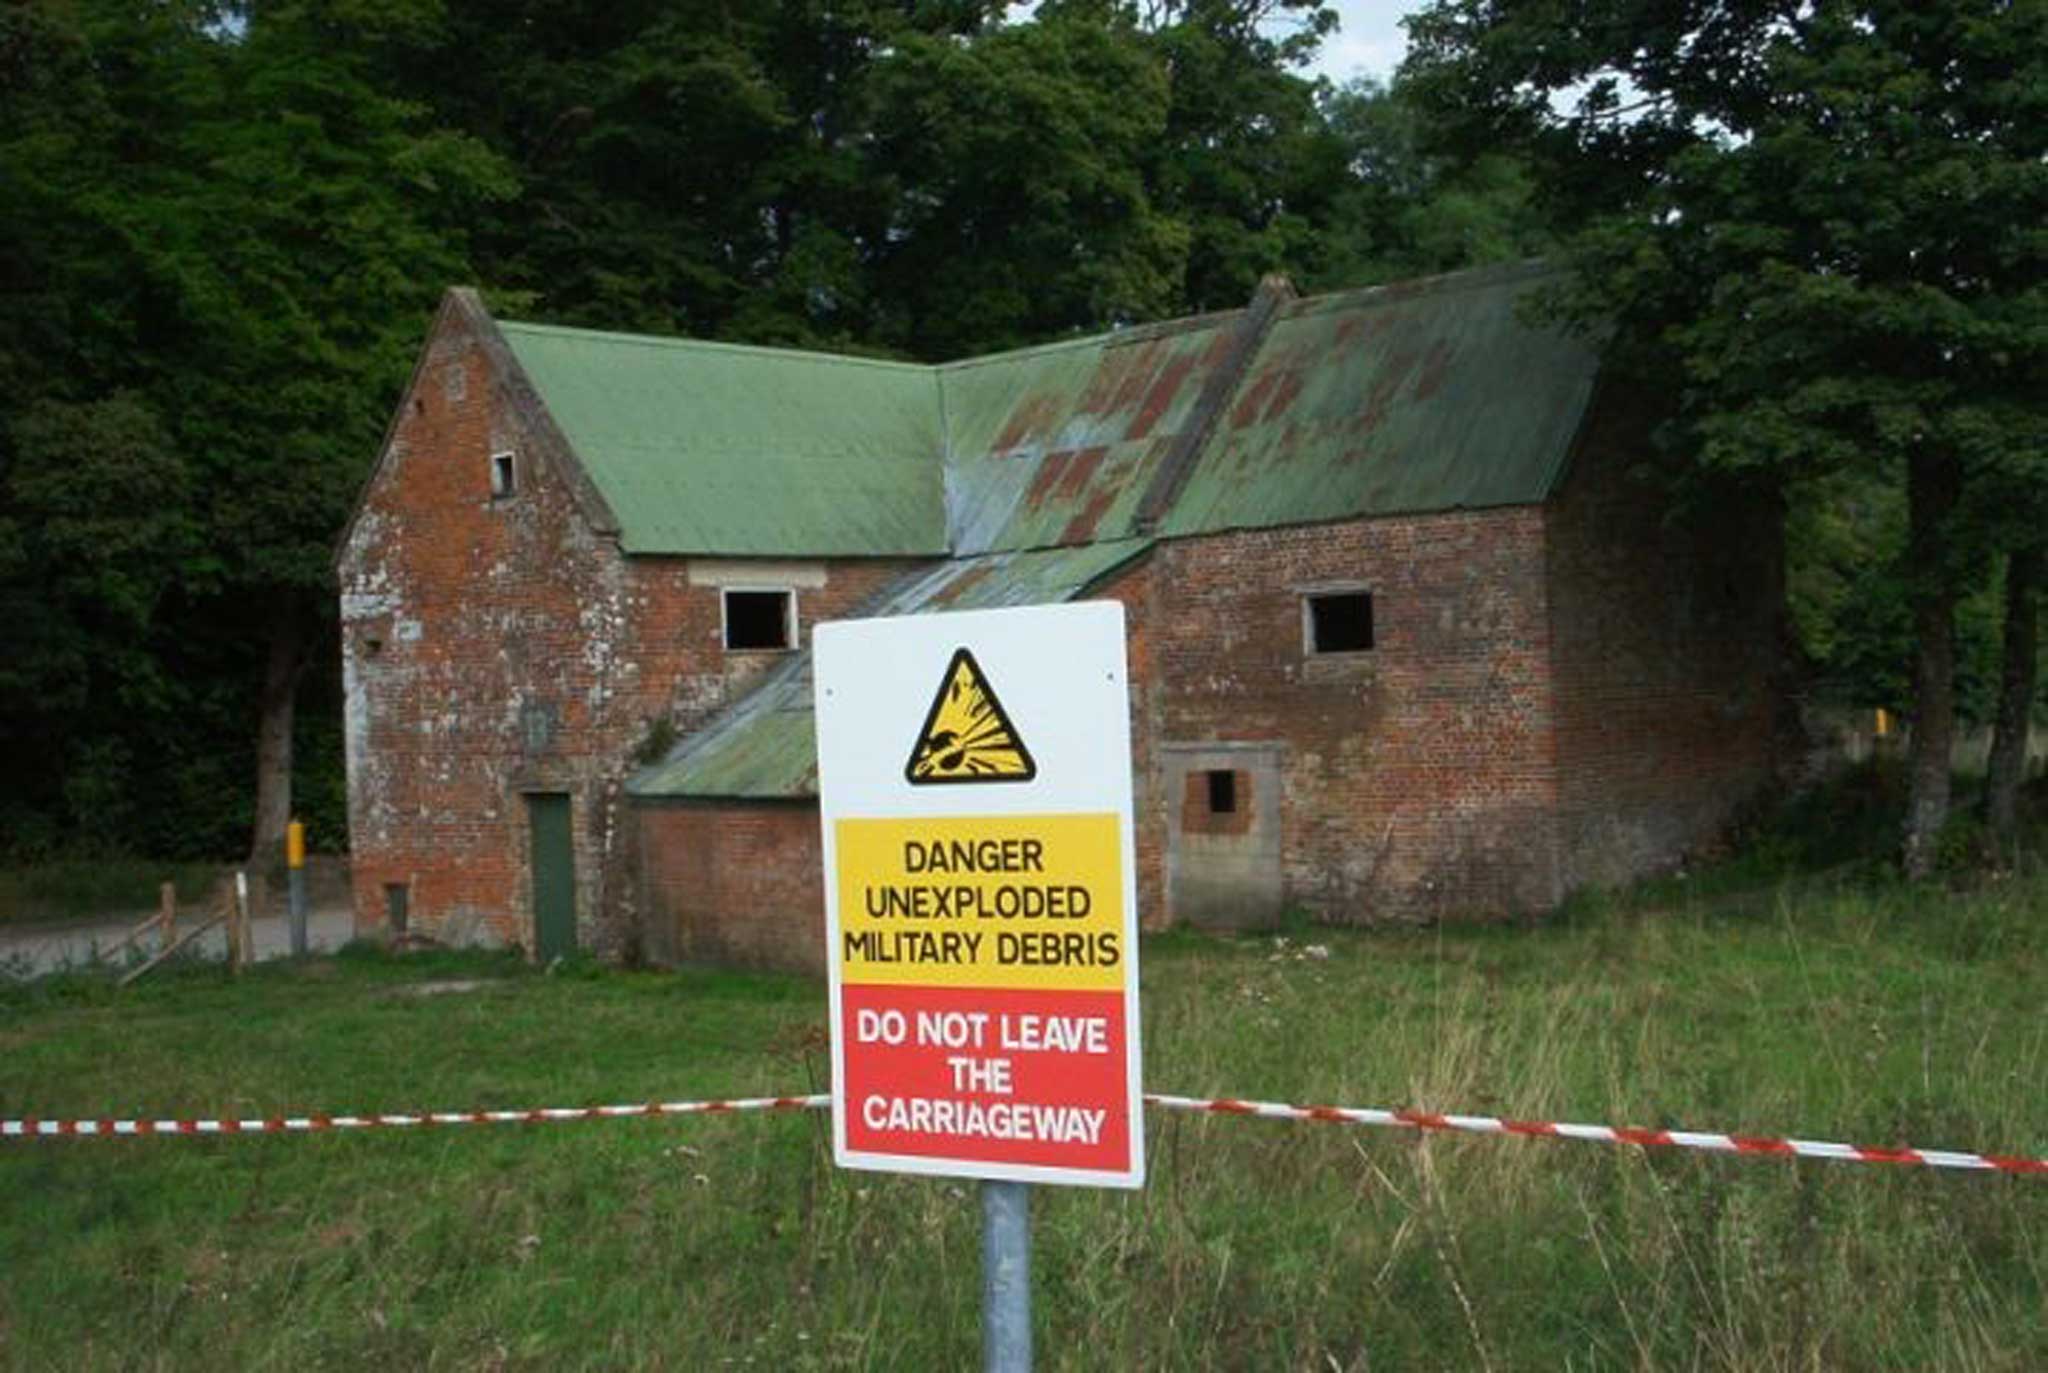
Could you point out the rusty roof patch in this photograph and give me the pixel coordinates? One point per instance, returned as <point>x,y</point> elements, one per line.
<point>1052,445</point>
<point>1426,396</point>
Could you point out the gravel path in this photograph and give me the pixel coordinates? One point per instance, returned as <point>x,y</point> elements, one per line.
<point>32,950</point>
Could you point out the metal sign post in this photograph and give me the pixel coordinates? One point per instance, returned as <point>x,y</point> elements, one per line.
<point>1006,1277</point>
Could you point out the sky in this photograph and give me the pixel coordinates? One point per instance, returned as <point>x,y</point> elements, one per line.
<point>1370,43</point>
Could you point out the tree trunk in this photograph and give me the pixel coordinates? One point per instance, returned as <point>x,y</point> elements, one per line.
<point>2015,695</point>
<point>1932,488</point>
<point>281,670</point>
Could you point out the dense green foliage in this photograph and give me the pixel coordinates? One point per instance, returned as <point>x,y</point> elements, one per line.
<point>220,238</point>
<point>1825,224</point>
<point>223,227</point>
<point>1847,1006</point>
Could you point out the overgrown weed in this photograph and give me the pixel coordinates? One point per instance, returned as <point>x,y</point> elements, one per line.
<point>1831,1003</point>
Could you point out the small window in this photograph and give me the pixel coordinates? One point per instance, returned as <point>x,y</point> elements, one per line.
<point>760,619</point>
<point>396,903</point>
<point>1340,622</point>
<point>503,478</point>
<point>1222,792</point>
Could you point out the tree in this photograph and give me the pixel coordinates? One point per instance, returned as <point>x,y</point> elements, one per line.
<point>1020,208</point>
<point>1406,211</point>
<point>2017,690</point>
<point>1823,222</point>
<point>248,238</point>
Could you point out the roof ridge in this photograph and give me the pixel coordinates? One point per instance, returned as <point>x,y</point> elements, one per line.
<point>1112,338</point>
<point>1442,283</point>
<point>685,343</point>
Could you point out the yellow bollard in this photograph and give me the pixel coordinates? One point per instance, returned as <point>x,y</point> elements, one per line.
<point>295,890</point>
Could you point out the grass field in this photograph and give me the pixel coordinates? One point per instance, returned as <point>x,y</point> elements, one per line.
<point>1843,1007</point>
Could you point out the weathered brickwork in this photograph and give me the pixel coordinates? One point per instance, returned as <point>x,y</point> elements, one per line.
<point>495,646</point>
<point>1665,641</point>
<point>740,883</point>
<point>1553,695</point>
<point>1417,777</point>
<point>733,883</point>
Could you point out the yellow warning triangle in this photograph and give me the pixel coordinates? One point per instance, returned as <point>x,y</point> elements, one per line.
<point>967,736</point>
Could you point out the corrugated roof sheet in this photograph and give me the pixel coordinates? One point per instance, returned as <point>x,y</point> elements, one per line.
<point>1400,399</point>
<point>1056,445</point>
<point>1425,396</point>
<point>764,747</point>
<point>719,449</point>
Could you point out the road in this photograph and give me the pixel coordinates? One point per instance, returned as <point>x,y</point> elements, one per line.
<point>32,950</point>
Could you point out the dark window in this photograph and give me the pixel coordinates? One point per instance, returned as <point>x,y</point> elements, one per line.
<point>1222,792</point>
<point>395,903</point>
<point>758,619</point>
<point>1340,622</point>
<point>502,479</point>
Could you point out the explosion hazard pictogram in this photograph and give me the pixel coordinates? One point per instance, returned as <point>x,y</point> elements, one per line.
<point>967,736</point>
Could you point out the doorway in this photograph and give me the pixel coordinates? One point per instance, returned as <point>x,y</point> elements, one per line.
<point>552,854</point>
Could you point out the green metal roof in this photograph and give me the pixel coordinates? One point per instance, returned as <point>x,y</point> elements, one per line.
<point>1056,445</point>
<point>718,449</point>
<point>1426,396</point>
<point>764,747</point>
<point>1395,400</point>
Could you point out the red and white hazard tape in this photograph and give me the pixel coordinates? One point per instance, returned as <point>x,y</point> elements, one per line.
<point>1606,1134</point>
<point>43,1129</point>
<point>33,1128</point>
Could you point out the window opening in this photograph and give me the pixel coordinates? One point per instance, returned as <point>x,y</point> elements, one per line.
<point>1340,622</point>
<point>1222,792</point>
<point>759,619</point>
<point>395,906</point>
<point>502,478</point>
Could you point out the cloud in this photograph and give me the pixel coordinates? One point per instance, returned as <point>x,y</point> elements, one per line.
<point>1370,41</point>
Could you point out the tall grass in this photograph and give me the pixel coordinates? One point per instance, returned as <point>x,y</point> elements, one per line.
<point>1845,1009</point>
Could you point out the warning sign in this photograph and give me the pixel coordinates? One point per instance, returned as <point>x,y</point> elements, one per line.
<point>980,894</point>
<point>966,736</point>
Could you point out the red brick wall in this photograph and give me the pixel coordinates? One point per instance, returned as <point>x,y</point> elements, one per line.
<point>1417,779</point>
<point>1136,587</point>
<point>516,650</point>
<point>734,883</point>
<point>1665,635</point>
<point>742,883</point>
<point>1555,695</point>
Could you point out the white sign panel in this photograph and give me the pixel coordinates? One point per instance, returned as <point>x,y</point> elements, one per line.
<point>974,783</point>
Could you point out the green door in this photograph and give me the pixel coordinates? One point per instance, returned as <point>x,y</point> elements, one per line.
<point>554,876</point>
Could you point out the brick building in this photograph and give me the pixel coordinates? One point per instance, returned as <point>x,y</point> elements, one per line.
<point>1409,637</point>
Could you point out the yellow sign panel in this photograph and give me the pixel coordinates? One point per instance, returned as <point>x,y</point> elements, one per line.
<point>1025,901</point>
<point>967,736</point>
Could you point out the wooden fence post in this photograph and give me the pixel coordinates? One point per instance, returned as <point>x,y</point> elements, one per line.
<point>238,925</point>
<point>167,916</point>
